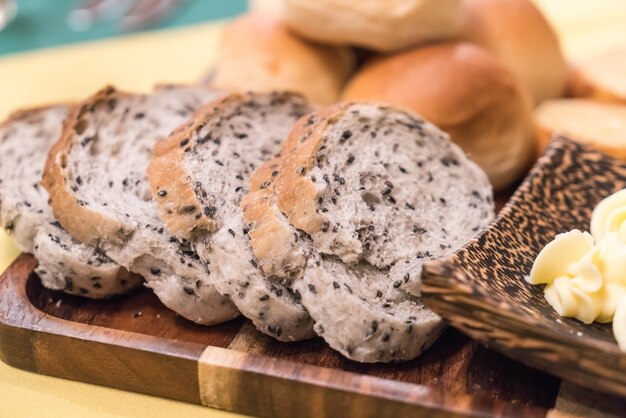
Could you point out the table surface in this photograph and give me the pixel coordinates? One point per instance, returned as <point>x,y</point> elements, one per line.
<point>136,62</point>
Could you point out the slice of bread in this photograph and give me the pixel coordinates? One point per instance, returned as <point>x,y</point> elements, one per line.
<point>64,263</point>
<point>96,177</point>
<point>602,125</point>
<point>602,78</point>
<point>376,191</point>
<point>206,167</point>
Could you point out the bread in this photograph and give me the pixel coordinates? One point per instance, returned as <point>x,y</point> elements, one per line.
<point>206,166</point>
<point>602,78</point>
<point>257,52</point>
<point>96,178</point>
<point>275,7</point>
<point>383,26</point>
<point>518,33</point>
<point>373,192</point>
<point>463,90</point>
<point>602,125</point>
<point>64,264</point>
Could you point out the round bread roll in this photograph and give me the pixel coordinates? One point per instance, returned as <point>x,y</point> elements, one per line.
<point>379,25</point>
<point>601,125</point>
<point>601,78</point>
<point>465,91</point>
<point>258,52</point>
<point>517,32</point>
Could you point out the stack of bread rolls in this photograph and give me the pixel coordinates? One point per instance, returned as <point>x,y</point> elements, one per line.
<point>490,73</point>
<point>475,68</point>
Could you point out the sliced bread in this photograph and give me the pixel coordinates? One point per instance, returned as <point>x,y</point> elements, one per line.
<point>601,125</point>
<point>205,167</point>
<point>96,177</point>
<point>376,191</point>
<point>64,263</point>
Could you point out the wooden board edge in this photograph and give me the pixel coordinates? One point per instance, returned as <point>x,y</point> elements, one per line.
<point>223,378</point>
<point>271,387</point>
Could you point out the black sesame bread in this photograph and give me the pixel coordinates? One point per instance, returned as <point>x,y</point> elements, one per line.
<point>205,168</point>
<point>96,177</point>
<point>64,263</point>
<point>375,191</point>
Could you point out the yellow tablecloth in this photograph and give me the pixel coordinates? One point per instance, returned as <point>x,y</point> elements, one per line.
<point>182,55</point>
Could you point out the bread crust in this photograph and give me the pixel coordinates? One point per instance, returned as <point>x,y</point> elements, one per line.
<point>296,192</point>
<point>82,222</point>
<point>517,32</point>
<point>590,120</point>
<point>166,172</point>
<point>63,263</point>
<point>464,90</point>
<point>258,52</point>
<point>384,26</point>
<point>169,181</point>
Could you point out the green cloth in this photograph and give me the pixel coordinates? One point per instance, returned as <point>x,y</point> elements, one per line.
<point>42,23</point>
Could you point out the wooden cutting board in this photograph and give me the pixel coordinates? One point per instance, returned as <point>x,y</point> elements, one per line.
<point>135,343</point>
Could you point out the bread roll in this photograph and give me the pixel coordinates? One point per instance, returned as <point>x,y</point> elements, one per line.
<point>257,52</point>
<point>601,78</point>
<point>276,7</point>
<point>602,125</point>
<point>517,32</point>
<point>464,90</point>
<point>379,25</point>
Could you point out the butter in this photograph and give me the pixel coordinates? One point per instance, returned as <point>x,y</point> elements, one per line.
<point>585,274</point>
<point>619,326</point>
<point>610,216</point>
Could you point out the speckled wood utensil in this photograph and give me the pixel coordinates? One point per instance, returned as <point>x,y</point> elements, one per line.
<point>481,289</point>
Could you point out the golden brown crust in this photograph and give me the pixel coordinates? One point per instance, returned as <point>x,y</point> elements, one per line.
<point>521,37</point>
<point>169,180</point>
<point>271,239</point>
<point>464,90</point>
<point>83,223</point>
<point>258,52</point>
<point>296,193</point>
<point>590,122</point>
<point>179,208</point>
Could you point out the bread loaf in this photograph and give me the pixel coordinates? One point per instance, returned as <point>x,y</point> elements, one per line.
<point>368,192</point>
<point>206,166</point>
<point>96,177</point>
<point>465,91</point>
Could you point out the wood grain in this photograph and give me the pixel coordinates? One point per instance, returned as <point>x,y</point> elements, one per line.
<point>481,288</point>
<point>134,343</point>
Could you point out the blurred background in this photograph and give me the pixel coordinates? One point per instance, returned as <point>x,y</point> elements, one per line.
<point>33,24</point>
